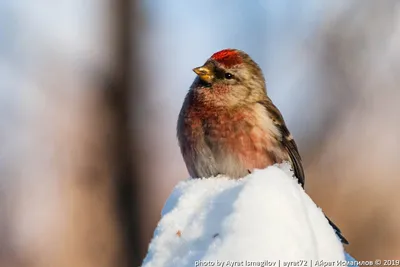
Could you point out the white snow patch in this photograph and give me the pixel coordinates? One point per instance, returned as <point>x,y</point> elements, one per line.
<point>265,216</point>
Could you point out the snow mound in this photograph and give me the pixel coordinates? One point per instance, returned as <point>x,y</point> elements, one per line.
<point>263,218</point>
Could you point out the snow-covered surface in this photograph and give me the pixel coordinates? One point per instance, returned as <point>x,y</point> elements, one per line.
<point>265,216</point>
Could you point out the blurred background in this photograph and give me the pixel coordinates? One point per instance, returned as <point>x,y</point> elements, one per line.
<point>89,97</point>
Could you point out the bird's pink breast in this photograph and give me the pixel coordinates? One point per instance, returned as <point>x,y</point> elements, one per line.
<point>236,134</point>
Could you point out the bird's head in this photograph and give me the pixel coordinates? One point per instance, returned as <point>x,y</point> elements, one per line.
<point>229,78</point>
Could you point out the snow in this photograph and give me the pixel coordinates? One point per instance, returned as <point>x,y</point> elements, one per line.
<point>265,218</point>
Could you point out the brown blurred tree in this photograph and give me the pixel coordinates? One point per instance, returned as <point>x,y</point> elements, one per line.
<point>71,192</point>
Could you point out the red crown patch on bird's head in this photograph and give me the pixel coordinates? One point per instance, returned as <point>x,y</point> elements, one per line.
<point>228,57</point>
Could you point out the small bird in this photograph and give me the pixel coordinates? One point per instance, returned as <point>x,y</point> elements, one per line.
<point>228,125</point>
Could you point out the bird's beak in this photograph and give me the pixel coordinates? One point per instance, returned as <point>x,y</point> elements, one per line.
<point>205,73</point>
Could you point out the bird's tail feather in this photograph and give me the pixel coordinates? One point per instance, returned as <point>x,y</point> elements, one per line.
<point>338,232</point>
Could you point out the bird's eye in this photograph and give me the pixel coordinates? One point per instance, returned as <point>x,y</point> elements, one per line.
<point>228,76</point>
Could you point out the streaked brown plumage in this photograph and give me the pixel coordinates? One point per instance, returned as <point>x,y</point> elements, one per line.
<point>228,124</point>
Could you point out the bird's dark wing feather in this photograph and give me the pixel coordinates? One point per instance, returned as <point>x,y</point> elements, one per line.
<point>291,147</point>
<point>287,139</point>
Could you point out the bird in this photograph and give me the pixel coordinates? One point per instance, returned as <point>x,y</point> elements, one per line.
<point>229,126</point>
